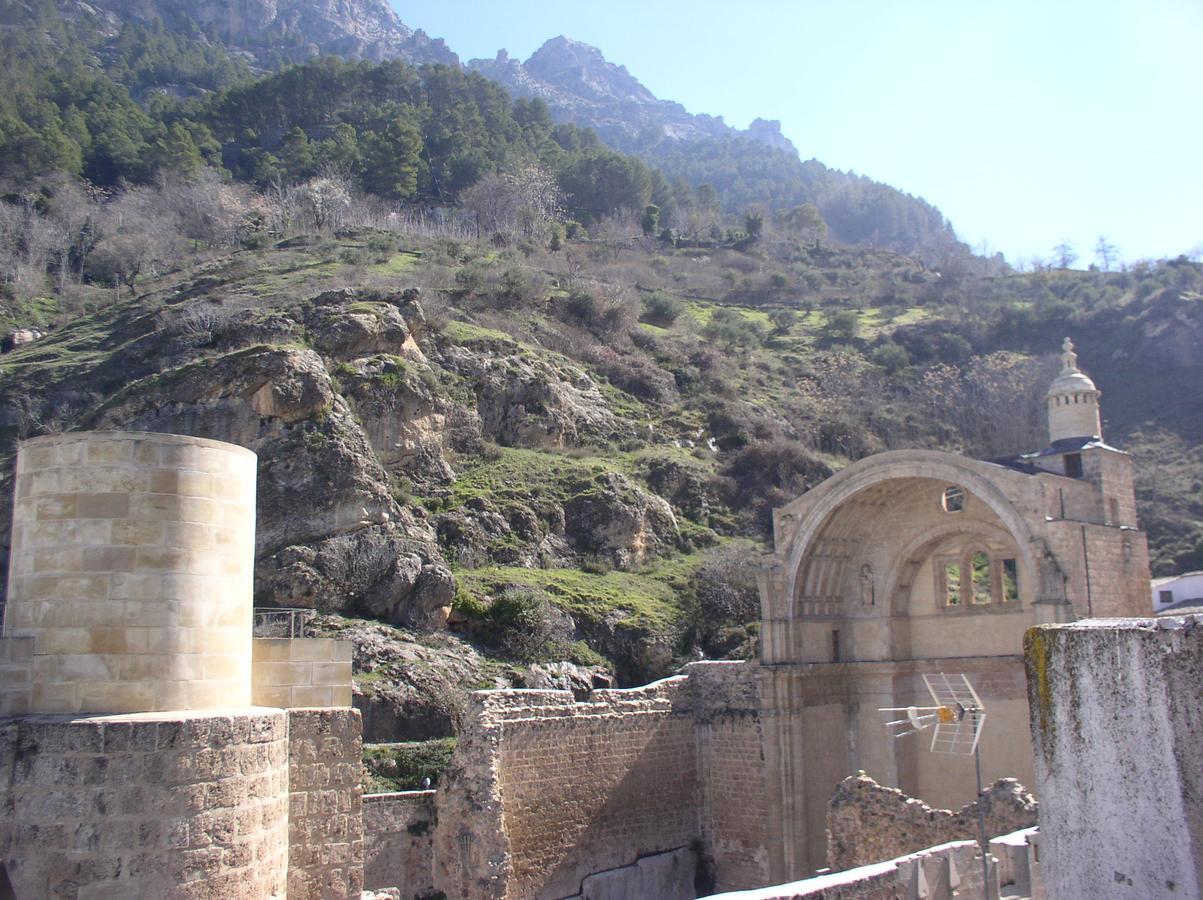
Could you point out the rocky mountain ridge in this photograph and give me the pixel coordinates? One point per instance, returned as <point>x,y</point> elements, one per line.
<point>581,86</point>
<point>268,33</point>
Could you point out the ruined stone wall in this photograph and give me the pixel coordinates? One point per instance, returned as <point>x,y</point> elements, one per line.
<point>1117,727</point>
<point>299,672</point>
<point>867,822</point>
<point>726,708</point>
<point>325,804</point>
<point>543,792</point>
<point>398,839</point>
<point>595,785</point>
<point>149,805</point>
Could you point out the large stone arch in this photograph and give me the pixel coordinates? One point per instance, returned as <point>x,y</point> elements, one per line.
<point>818,506</point>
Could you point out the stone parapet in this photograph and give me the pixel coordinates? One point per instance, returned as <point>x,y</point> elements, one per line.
<point>301,672</point>
<point>150,805</point>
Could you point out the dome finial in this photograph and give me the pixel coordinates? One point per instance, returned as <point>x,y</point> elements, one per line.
<point>1069,359</point>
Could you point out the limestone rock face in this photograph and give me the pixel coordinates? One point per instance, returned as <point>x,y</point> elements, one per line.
<point>409,687</point>
<point>527,402</point>
<point>292,29</point>
<point>404,414</point>
<point>613,518</point>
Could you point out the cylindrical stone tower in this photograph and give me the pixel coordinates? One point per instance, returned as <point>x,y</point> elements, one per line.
<point>131,570</point>
<point>1073,401</point>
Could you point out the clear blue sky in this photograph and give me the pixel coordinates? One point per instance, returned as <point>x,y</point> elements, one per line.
<point>1025,121</point>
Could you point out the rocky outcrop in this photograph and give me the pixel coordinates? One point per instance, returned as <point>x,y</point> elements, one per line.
<point>293,30</point>
<point>526,401</point>
<point>581,86</point>
<point>614,519</point>
<point>404,413</point>
<point>409,687</point>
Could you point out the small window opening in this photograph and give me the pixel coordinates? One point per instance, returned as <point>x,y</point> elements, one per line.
<point>1073,465</point>
<point>953,500</point>
<point>1010,581</point>
<point>1113,505</point>
<point>1165,598</point>
<point>979,565</point>
<point>835,645</point>
<point>952,584</point>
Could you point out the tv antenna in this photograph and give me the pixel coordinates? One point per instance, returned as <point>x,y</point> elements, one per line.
<point>956,721</point>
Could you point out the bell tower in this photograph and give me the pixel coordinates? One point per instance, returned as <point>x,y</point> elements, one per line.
<point>1073,401</point>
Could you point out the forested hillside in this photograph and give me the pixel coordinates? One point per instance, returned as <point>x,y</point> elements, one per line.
<point>522,405</point>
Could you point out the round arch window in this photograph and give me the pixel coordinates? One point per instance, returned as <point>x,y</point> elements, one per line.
<point>953,499</point>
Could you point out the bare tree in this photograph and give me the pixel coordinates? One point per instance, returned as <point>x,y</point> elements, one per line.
<point>1106,253</point>
<point>1064,254</point>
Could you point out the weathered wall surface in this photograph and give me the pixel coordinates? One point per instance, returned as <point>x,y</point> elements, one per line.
<point>299,672</point>
<point>325,804</point>
<point>734,802</point>
<point>547,797</point>
<point>936,873</point>
<point>131,568</point>
<point>1117,726</point>
<point>868,823</point>
<point>398,839</point>
<point>593,786</point>
<point>151,805</point>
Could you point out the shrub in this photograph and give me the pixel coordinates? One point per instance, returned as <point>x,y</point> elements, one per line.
<point>891,357</point>
<point>722,598</point>
<point>661,309</point>
<point>769,474</point>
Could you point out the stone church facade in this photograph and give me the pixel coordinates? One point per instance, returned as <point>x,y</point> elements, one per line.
<point>904,563</point>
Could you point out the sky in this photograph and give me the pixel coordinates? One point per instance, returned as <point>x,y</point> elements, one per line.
<point>1027,122</point>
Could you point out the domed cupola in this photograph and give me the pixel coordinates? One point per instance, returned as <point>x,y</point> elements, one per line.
<point>1073,401</point>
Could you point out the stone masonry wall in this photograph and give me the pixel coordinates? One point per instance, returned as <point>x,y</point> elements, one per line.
<point>596,785</point>
<point>300,672</point>
<point>726,704</point>
<point>325,809</point>
<point>16,659</point>
<point>543,792</point>
<point>868,822</point>
<point>147,805</point>
<point>1117,727</point>
<point>398,839</point>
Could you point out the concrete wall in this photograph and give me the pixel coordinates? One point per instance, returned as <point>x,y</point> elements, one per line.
<point>1183,587</point>
<point>1117,725</point>
<point>152,805</point>
<point>398,837</point>
<point>325,804</point>
<point>297,672</point>
<point>131,567</point>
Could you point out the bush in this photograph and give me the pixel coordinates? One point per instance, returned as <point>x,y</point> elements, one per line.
<point>661,309</point>
<point>522,623</point>
<point>843,324</point>
<point>721,600</point>
<point>768,474</point>
<point>891,357</point>
<point>404,766</point>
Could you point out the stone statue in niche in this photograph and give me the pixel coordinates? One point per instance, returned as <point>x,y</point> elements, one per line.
<point>867,588</point>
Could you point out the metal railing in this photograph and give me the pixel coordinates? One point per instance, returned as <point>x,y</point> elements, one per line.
<point>281,622</point>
